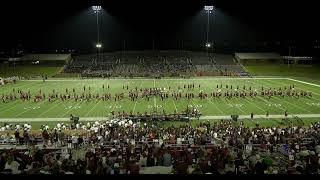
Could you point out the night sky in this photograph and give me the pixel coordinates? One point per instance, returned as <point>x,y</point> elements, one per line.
<point>56,24</point>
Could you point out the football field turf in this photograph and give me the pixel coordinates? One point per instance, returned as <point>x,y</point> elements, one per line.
<point>209,107</point>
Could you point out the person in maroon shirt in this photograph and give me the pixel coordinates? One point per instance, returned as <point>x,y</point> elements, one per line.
<point>45,136</point>
<point>180,167</point>
<point>92,164</point>
<point>17,136</point>
<point>26,137</point>
<point>189,157</point>
<point>204,166</point>
<point>133,167</point>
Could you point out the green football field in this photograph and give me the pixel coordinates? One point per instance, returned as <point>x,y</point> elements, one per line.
<point>209,107</point>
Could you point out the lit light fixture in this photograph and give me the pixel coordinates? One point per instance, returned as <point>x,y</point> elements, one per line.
<point>98,45</point>
<point>208,45</point>
<point>96,8</point>
<point>208,8</point>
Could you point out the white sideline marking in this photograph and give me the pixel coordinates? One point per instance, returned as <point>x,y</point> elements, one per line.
<point>275,116</point>
<point>149,79</point>
<point>303,82</point>
<point>312,84</point>
<point>175,79</point>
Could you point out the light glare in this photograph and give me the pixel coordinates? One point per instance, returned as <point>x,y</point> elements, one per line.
<point>208,8</point>
<point>96,8</point>
<point>99,45</point>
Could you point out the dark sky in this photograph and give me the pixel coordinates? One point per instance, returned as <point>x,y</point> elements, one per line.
<point>57,24</point>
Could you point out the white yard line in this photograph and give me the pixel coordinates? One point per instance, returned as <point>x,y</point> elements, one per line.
<point>146,79</point>
<point>18,98</point>
<point>255,104</point>
<point>226,98</point>
<point>50,108</point>
<point>79,102</point>
<point>292,104</point>
<point>215,105</point>
<point>93,107</point>
<point>37,104</point>
<point>154,98</point>
<point>239,102</point>
<point>11,107</point>
<point>135,104</point>
<point>271,116</point>
<point>172,99</point>
<point>269,102</point>
<point>16,87</point>
<point>93,94</point>
<point>67,112</point>
<point>284,100</point>
<point>288,102</point>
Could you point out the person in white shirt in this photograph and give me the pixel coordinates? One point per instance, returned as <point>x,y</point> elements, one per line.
<point>143,161</point>
<point>12,165</point>
<point>74,141</point>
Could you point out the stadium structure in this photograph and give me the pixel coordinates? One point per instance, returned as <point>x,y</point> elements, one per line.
<point>192,109</point>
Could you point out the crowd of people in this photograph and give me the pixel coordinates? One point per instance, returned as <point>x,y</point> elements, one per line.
<point>144,63</point>
<point>155,63</point>
<point>121,146</point>
<point>124,146</point>
<point>134,93</point>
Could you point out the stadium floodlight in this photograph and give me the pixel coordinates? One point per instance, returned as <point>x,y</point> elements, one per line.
<point>208,8</point>
<point>208,45</point>
<point>96,9</point>
<point>98,45</point>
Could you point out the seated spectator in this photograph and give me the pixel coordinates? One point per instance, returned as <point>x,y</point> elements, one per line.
<point>143,161</point>
<point>180,167</point>
<point>12,165</point>
<point>167,158</point>
<point>133,167</point>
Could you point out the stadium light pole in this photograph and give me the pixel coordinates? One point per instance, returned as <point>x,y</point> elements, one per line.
<point>124,47</point>
<point>208,10</point>
<point>97,10</point>
<point>14,61</point>
<point>289,55</point>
